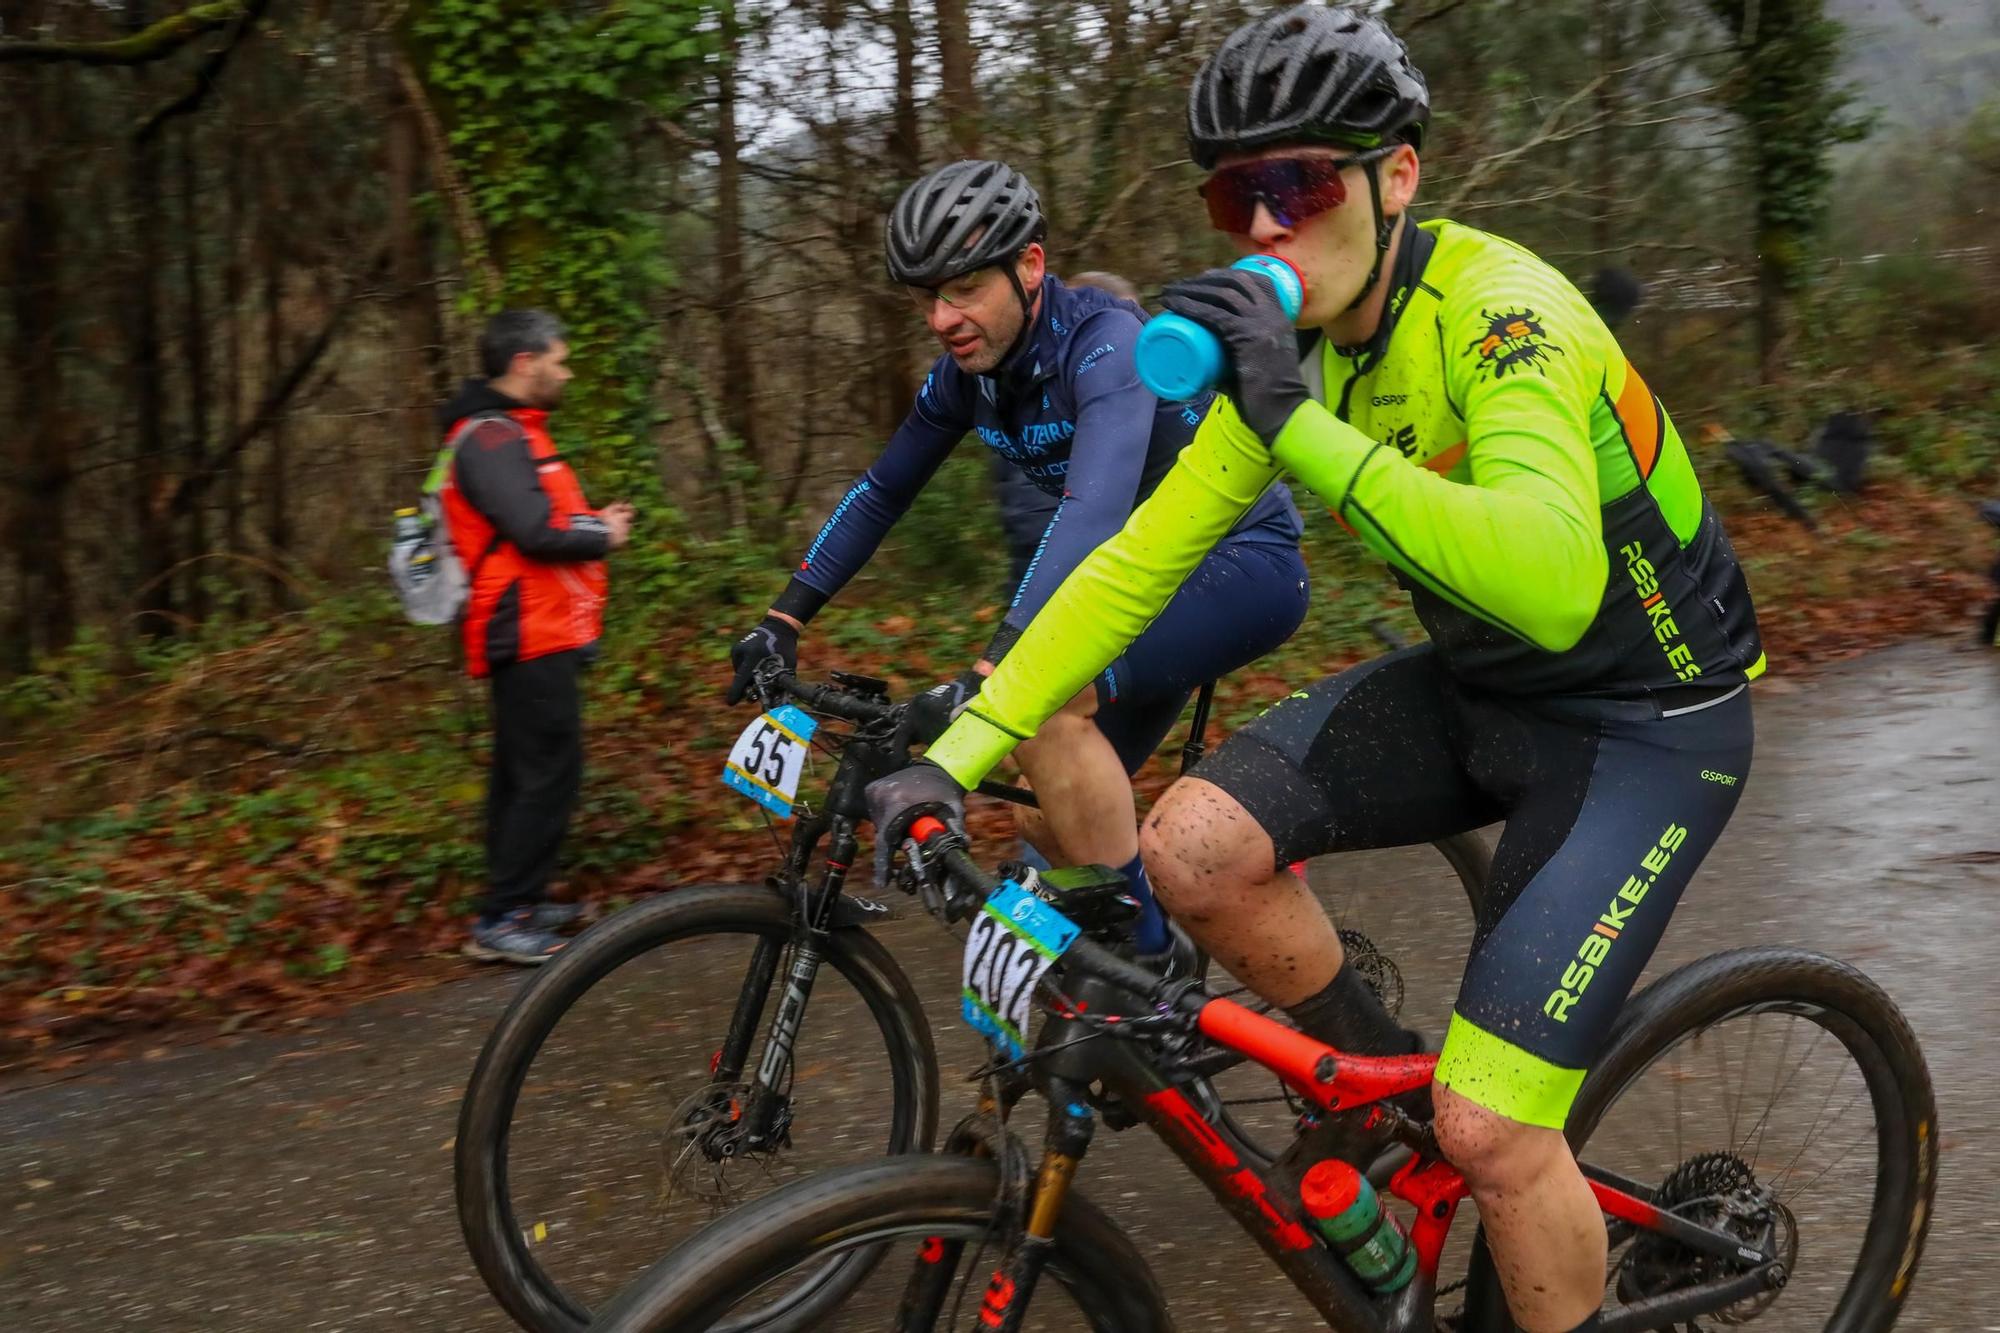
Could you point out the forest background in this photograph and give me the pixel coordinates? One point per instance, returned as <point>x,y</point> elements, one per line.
<point>248,245</point>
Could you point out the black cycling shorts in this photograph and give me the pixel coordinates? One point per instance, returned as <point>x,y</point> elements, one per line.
<point>1609,805</point>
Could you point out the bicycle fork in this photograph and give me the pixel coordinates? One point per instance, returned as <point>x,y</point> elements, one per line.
<point>1003,1306</point>
<point>765,1114</point>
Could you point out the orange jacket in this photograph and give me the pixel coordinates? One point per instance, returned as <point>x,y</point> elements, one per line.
<point>532,546</point>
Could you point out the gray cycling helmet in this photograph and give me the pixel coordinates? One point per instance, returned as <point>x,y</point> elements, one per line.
<point>931,229</point>
<point>1310,73</point>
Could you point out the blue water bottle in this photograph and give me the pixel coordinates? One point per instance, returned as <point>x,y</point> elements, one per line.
<point>1178,358</point>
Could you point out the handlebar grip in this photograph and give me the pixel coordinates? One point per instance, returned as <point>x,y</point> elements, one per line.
<point>926,828</point>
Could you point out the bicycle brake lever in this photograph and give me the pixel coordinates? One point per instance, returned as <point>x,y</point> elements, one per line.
<point>916,880</point>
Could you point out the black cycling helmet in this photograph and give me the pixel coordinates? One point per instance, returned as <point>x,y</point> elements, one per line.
<point>1310,73</point>
<point>928,239</point>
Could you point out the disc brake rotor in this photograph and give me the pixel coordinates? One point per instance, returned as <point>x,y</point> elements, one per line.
<point>1376,968</point>
<point>706,1137</point>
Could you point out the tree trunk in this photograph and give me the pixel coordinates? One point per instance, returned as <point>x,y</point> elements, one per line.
<point>152,532</point>
<point>1117,82</point>
<point>1609,20</point>
<point>419,350</point>
<point>887,311</point>
<point>1050,121</point>
<point>960,94</point>
<point>739,379</point>
<point>905,152</point>
<point>44,617</point>
<point>277,513</point>
<point>1776,278</point>
<point>882,390</point>
<point>232,300</point>
<point>195,341</point>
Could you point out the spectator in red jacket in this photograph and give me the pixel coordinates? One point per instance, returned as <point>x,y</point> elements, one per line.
<point>533,550</point>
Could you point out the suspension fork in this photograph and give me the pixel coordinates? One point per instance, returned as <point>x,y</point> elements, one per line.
<point>809,940</point>
<point>763,970</point>
<point>1008,1293</point>
<point>1003,1306</point>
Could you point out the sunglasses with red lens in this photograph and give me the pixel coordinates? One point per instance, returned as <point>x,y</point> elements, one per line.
<point>1293,188</point>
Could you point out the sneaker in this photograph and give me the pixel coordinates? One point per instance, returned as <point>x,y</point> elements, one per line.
<point>560,916</point>
<point>514,938</point>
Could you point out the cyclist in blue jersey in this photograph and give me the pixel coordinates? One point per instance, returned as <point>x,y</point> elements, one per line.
<point>1043,374</point>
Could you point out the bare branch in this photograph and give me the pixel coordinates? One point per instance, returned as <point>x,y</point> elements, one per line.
<point>157,42</point>
<point>207,77</point>
<point>1118,201</point>
<point>1486,168</point>
<point>1409,25</point>
<point>190,487</point>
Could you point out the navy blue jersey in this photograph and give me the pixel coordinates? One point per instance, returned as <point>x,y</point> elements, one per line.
<point>1068,410</point>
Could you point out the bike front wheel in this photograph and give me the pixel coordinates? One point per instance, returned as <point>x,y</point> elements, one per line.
<point>924,1212</point>
<point>602,1125</point>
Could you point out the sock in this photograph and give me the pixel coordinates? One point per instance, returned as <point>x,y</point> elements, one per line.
<point>1150,934</point>
<point>1349,1015</point>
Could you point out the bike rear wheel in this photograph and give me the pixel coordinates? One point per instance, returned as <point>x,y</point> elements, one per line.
<point>595,1133</point>
<point>1769,1070</point>
<point>914,1208</point>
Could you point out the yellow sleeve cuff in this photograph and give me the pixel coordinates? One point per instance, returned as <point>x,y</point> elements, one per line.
<point>1323,452</point>
<point>970,748</point>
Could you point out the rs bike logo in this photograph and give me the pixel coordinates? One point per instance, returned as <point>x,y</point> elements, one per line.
<point>1514,340</point>
<point>1596,946</point>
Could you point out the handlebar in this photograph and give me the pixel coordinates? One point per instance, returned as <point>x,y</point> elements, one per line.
<point>847,705</point>
<point>968,887</point>
<point>775,682</point>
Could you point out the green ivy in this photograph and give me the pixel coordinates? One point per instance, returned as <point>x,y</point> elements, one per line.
<point>550,110</point>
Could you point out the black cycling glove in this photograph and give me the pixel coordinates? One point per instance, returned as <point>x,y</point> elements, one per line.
<point>772,638</point>
<point>938,707</point>
<point>897,801</point>
<point>1262,349</point>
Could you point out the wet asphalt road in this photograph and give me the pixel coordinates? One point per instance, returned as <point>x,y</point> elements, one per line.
<point>303,1181</point>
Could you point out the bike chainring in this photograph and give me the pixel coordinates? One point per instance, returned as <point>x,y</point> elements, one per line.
<point>1713,1189</point>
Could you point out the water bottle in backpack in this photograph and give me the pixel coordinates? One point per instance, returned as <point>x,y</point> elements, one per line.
<point>413,551</point>
<point>423,564</point>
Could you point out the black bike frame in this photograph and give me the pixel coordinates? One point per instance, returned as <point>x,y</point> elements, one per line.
<point>863,760</point>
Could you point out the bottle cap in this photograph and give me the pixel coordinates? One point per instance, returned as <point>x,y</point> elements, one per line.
<point>1289,283</point>
<point>1330,1188</point>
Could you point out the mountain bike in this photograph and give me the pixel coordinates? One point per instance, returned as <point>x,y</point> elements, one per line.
<point>979,1233</point>
<point>755,1033</point>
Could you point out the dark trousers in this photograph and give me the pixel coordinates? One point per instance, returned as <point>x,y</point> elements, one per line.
<point>537,771</point>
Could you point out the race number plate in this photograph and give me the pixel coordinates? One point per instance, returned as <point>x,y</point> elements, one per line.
<point>767,759</point>
<point>1015,939</point>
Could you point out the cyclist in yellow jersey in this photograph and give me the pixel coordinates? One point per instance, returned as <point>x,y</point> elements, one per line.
<point>1461,408</point>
